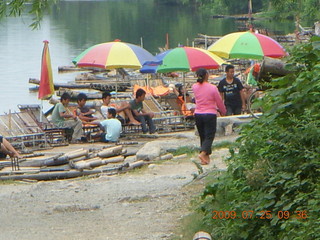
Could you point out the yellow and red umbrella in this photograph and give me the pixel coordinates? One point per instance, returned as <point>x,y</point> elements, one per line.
<point>247,45</point>
<point>113,55</point>
<point>46,88</point>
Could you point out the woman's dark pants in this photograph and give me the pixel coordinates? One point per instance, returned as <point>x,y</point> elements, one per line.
<point>206,125</point>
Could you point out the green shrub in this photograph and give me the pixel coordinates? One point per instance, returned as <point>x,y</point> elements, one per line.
<point>273,172</point>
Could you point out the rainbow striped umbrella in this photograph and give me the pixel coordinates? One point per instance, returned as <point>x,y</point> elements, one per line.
<point>247,45</point>
<point>184,59</point>
<point>113,55</point>
<point>46,88</point>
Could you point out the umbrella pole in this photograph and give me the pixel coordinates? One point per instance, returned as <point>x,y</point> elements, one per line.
<point>10,125</point>
<point>205,42</point>
<point>117,85</point>
<point>185,87</point>
<point>40,112</point>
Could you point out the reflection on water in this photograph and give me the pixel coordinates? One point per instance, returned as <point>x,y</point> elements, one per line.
<point>75,25</point>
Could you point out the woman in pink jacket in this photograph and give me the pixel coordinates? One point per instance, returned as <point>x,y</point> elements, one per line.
<point>208,103</point>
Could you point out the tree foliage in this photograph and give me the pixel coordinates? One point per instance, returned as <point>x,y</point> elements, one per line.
<point>275,168</point>
<point>306,9</point>
<point>225,6</point>
<point>17,7</point>
<point>301,9</point>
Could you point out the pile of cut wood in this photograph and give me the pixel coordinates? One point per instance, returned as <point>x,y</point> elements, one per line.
<point>80,162</point>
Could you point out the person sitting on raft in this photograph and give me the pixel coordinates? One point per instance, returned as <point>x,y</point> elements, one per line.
<point>124,113</point>
<point>63,118</point>
<point>83,112</point>
<point>187,107</point>
<point>111,127</point>
<point>7,149</point>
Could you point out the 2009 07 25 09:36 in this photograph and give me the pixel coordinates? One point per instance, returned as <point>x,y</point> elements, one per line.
<point>265,214</point>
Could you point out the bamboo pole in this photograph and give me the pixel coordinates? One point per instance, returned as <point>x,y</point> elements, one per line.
<point>62,174</point>
<point>166,156</point>
<point>110,152</point>
<point>76,154</point>
<point>55,160</point>
<point>182,156</point>
<point>136,164</point>
<point>95,162</point>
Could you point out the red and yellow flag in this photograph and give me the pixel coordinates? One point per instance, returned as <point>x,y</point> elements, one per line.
<point>46,88</point>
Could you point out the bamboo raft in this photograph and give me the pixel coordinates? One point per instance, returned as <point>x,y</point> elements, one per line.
<point>80,162</point>
<point>122,87</point>
<point>62,85</point>
<point>72,164</point>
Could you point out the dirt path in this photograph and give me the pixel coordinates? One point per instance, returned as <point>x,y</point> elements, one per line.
<point>142,204</point>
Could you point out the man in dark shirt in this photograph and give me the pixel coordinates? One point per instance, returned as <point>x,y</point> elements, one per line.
<point>84,112</point>
<point>231,90</point>
<point>140,114</point>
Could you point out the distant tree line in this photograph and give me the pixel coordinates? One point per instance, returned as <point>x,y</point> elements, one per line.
<point>307,10</point>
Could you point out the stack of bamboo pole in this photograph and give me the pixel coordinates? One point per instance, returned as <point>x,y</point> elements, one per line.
<point>72,164</point>
<point>112,159</point>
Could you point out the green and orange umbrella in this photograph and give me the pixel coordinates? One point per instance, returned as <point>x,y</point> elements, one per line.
<point>247,45</point>
<point>184,59</point>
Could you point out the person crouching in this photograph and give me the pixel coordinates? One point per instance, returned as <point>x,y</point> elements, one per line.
<point>111,127</point>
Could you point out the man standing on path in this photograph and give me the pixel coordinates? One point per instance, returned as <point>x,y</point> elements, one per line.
<point>231,91</point>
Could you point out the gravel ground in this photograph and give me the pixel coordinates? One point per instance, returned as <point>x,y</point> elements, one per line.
<point>142,204</point>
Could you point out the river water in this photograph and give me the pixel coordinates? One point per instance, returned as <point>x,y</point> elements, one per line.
<point>73,26</point>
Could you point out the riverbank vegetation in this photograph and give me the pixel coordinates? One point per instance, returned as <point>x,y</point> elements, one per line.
<point>307,10</point>
<point>36,8</point>
<point>300,10</point>
<point>271,189</point>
